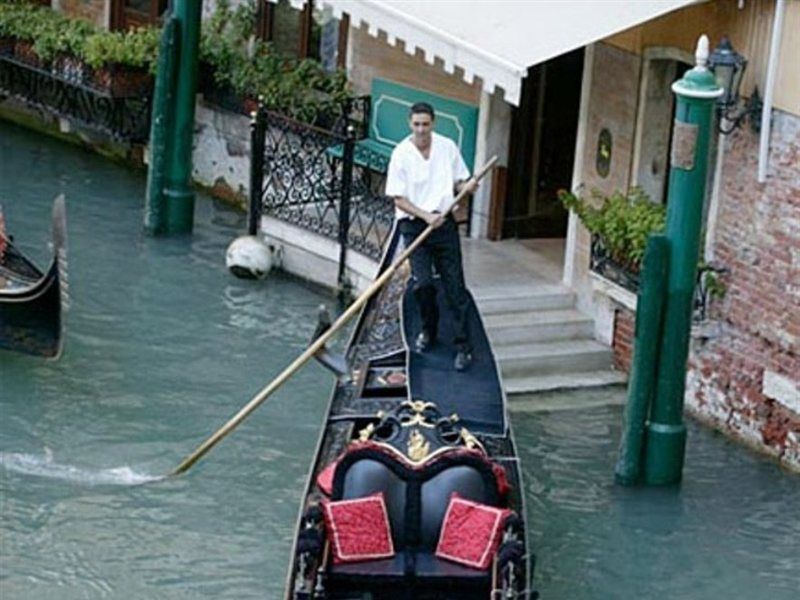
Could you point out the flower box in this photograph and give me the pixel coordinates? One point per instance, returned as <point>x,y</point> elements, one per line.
<point>122,81</point>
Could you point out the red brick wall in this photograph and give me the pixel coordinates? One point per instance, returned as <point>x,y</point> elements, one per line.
<point>758,239</point>
<point>93,11</point>
<point>622,345</point>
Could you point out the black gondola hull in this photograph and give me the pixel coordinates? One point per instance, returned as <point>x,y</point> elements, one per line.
<point>31,319</point>
<point>377,355</point>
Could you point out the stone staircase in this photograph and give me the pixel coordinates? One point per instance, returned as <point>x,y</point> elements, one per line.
<point>540,340</point>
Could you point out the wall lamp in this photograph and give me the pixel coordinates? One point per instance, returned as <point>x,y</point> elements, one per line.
<point>728,67</point>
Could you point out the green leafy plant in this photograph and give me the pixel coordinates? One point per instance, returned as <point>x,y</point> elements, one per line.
<point>712,281</point>
<point>622,222</point>
<point>301,89</point>
<point>137,48</point>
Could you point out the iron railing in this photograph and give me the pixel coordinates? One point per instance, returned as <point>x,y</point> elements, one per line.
<point>308,176</point>
<point>65,93</point>
<point>707,287</point>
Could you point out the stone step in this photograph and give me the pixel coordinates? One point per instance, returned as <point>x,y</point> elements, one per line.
<point>562,381</point>
<point>501,299</point>
<point>537,326</point>
<point>544,358</point>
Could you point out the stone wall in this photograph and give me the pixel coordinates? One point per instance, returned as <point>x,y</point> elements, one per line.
<point>746,380</point>
<point>221,152</point>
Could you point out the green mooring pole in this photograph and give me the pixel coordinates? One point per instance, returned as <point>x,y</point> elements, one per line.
<point>645,359</point>
<point>163,97</point>
<point>666,435</point>
<point>179,214</point>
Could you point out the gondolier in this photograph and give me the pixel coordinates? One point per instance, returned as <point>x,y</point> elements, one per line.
<point>424,172</point>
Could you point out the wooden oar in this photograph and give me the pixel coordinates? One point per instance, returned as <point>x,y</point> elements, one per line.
<point>321,340</point>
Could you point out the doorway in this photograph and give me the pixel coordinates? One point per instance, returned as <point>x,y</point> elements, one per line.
<point>542,148</point>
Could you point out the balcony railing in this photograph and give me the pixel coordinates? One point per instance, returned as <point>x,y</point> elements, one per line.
<point>307,176</point>
<point>68,92</point>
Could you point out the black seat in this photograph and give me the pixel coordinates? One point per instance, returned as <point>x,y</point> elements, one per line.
<point>416,500</point>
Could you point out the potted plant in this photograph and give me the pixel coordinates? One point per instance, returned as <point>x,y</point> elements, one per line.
<point>60,44</point>
<point>619,224</point>
<point>123,63</point>
<point>238,68</point>
<point>21,24</point>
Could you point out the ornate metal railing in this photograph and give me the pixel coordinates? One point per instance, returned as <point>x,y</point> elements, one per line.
<point>65,94</point>
<point>602,263</point>
<point>707,287</point>
<point>309,177</point>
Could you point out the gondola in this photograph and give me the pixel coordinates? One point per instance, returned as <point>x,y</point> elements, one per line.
<point>415,490</point>
<point>32,301</point>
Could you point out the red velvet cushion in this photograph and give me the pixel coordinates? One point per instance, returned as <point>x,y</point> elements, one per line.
<point>325,478</point>
<point>471,532</point>
<point>358,529</point>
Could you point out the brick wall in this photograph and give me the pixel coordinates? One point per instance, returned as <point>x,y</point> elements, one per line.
<point>94,11</point>
<point>622,345</point>
<point>746,381</point>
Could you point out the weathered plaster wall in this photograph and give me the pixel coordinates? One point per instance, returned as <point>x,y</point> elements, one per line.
<point>749,29</point>
<point>747,380</point>
<point>370,57</point>
<point>612,104</point>
<point>221,152</point>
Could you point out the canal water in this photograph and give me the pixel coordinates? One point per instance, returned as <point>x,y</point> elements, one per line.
<point>163,345</point>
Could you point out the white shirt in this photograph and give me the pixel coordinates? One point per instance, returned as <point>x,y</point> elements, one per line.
<point>426,183</point>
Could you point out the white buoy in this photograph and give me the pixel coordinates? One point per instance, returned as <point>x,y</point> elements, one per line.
<point>249,257</point>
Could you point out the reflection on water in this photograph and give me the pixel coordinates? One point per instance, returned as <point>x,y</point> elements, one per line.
<point>163,346</point>
<point>732,529</point>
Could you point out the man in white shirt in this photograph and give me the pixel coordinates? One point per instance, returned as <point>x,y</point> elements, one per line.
<point>425,170</point>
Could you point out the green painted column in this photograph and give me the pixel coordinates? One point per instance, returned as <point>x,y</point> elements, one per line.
<point>163,97</point>
<point>666,434</point>
<point>179,214</point>
<point>649,308</point>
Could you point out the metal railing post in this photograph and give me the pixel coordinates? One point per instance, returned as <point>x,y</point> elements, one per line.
<point>344,204</point>
<point>258,133</point>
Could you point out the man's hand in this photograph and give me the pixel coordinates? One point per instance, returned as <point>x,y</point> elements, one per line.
<point>435,219</point>
<point>470,185</point>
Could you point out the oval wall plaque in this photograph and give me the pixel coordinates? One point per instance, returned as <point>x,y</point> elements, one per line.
<point>603,160</point>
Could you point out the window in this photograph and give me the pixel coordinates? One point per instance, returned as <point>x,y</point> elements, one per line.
<point>127,14</point>
<point>307,33</point>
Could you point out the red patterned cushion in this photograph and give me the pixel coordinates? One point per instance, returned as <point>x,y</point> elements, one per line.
<point>471,532</point>
<point>358,529</point>
<point>325,478</point>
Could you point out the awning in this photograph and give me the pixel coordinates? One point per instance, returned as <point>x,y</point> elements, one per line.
<point>497,40</point>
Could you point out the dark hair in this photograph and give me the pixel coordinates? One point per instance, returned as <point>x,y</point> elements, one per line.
<point>421,107</point>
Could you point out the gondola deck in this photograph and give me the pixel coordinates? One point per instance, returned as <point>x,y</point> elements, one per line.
<point>386,387</point>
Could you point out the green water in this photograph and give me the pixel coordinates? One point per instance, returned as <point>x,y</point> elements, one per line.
<point>163,345</point>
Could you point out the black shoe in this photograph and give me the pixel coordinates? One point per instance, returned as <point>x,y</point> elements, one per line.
<point>423,342</point>
<point>463,360</point>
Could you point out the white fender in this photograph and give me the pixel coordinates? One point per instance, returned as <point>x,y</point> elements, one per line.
<point>249,257</point>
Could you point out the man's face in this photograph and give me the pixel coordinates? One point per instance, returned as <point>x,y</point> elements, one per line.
<point>421,125</point>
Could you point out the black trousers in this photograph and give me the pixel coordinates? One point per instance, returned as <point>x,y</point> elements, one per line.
<point>442,249</point>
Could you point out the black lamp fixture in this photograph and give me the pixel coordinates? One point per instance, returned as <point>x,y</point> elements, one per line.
<point>728,67</point>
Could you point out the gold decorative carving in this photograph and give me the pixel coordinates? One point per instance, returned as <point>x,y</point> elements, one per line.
<point>366,433</point>
<point>418,448</point>
<point>418,418</point>
<point>470,441</point>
